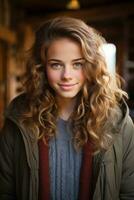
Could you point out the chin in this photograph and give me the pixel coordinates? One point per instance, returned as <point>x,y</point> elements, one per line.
<point>68,96</point>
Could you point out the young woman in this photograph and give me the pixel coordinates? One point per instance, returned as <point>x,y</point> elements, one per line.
<point>69,136</point>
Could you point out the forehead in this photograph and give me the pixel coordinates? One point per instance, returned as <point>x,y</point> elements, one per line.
<point>64,47</point>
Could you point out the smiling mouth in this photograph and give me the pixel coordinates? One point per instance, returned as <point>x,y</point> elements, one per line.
<point>67,86</point>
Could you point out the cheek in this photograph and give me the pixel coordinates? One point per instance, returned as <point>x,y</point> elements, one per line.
<point>52,76</point>
<point>81,76</point>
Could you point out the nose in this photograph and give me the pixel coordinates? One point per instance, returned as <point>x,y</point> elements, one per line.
<point>67,73</point>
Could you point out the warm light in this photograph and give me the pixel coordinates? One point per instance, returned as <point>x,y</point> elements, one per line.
<point>73,5</point>
<point>109,52</point>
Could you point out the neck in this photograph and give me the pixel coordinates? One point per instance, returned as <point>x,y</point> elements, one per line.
<point>66,107</point>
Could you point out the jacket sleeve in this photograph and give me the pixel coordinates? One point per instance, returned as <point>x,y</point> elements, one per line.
<point>127,183</point>
<point>7,168</point>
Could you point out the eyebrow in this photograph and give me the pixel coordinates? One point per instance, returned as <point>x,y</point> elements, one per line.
<point>78,59</point>
<point>57,60</point>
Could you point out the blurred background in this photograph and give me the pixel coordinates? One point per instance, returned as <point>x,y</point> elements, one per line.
<point>20,18</point>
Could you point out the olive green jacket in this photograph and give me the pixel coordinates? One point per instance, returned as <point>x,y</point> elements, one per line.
<point>113,170</point>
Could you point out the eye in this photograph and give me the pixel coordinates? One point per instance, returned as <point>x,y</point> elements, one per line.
<point>78,65</point>
<point>55,65</point>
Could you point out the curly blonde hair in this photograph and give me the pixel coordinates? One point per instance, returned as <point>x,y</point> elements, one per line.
<point>96,111</point>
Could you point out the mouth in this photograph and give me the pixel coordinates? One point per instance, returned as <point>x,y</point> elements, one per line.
<point>67,86</point>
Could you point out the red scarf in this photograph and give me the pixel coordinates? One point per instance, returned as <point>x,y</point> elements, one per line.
<point>85,174</point>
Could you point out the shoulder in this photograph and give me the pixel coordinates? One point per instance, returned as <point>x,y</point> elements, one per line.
<point>17,106</point>
<point>126,124</point>
<point>10,128</point>
<point>122,130</point>
<point>8,135</point>
<point>127,132</point>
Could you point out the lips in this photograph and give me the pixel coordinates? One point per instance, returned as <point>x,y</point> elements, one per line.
<point>67,86</point>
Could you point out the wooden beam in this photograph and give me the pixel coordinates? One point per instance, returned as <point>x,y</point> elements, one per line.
<point>111,30</point>
<point>7,35</point>
<point>103,13</point>
<point>107,12</point>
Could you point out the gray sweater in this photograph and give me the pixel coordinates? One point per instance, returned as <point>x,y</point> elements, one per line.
<point>65,164</point>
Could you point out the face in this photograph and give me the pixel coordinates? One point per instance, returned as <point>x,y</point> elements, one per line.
<point>64,68</point>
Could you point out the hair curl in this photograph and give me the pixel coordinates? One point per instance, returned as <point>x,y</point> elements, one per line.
<point>96,109</point>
